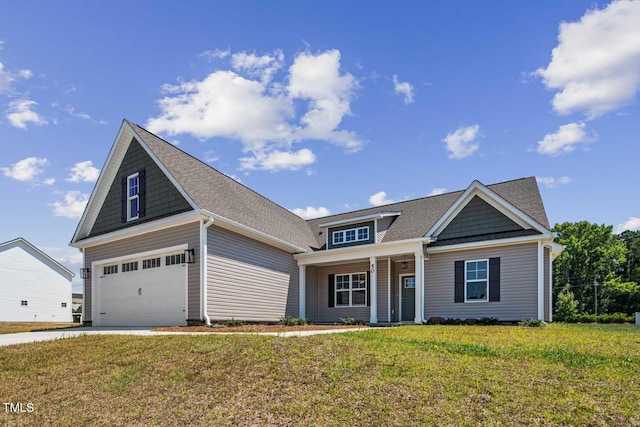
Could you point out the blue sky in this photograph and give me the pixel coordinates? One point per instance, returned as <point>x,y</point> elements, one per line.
<point>323,106</point>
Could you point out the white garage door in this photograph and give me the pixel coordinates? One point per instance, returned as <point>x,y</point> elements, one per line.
<point>148,291</point>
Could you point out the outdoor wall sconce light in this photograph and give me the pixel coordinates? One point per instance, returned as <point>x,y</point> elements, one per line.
<point>190,256</point>
<point>85,273</point>
<point>404,263</point>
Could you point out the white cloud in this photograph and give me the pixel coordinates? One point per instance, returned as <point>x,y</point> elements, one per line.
<point>265,114</point>
<point>310,212</point>
<point>594,67</point>
<point>26,170</point>
<point>551,182</point>
<point>8,78</point>
<point>83,171</point>
<point>215,54</point>
<point>461,143</point>
<point>275,161</point>
<point>49,181</point>
<point>211,156</point>
<point>403,88</point>
<point>565,139</point>
<point>632,224</point>
<point>72,112</point>
<point>71,206</point>
<point>1,44</point>
<point>21,114</point>
<point>380,198</point>
<point>437,191</point>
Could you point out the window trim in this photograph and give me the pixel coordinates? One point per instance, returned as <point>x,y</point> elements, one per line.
<point>350,290</point>
<point>466,282</point>
<point>130,198</point>
<point>343,234</point>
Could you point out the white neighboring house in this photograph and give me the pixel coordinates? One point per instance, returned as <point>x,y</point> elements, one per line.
<point>33,286</point>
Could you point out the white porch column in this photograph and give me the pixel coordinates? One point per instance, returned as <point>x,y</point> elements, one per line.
<point>373,290</point>
<point>419,291</point>
<point>302,291</point>
<point>540,281</point>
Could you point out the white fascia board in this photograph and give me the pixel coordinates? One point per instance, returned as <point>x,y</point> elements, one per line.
<point>359,219</point>
<point>506,208</point>
<point>103,184</point>
<point>492,243</point>
<point>136,230</point>
<point>254,234</point>
<point>362,252</point>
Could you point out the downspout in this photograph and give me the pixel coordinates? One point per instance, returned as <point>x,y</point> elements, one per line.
<point>203,268</point>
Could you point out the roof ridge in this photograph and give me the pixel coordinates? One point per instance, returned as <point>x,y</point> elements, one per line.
<point>216,170</point>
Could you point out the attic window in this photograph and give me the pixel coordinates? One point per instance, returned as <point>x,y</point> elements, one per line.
<point>133,197</point>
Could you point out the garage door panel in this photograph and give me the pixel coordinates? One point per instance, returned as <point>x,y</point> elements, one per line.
<point>144,297</point>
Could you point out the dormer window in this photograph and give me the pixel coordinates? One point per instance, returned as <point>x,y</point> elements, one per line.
<point>133,197</point>
<point>350,235</point>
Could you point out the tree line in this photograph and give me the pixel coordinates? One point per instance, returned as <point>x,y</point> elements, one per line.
<point>595,254</point>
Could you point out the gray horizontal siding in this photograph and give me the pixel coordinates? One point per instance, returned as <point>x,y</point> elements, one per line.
<point>188,233</point>
<point>477,218</point>
<point>328,314</point>
<point>249,280</point>
<point>519,284</point>
<point>382,271</point>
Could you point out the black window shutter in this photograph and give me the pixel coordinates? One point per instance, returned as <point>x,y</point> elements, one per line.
<point>494,279</point>
<point>123,200</point>
<point>459,281</point>
<point>142,193</point>
<point>368,289</point>
<point>332,290</point>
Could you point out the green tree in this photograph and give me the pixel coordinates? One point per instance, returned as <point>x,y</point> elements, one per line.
<point>592,252</point>
<point>630,270</point>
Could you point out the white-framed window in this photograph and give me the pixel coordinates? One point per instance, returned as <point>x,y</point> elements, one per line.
<point>130,266</point>
<point>150,263</point>
<point>110,269</point>
<point>350,235</point>
<point>174,259</point>
<point>476,280</point>
<point>133,196</point>
<point>351,290</point>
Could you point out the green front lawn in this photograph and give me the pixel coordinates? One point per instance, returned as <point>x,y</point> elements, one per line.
<point>416,375</point>
<point>17,327</point>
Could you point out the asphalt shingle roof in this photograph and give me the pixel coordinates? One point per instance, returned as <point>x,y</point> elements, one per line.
<point>220,194</point>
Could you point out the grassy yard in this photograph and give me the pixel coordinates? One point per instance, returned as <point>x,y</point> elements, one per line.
<point>418,375</point>
<point>16,327</point>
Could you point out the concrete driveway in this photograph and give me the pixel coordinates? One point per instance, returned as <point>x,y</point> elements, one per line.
<point>29,337</point>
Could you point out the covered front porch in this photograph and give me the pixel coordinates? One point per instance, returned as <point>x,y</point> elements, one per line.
<point>381,283</point>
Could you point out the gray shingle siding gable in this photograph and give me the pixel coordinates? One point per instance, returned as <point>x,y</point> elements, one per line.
<point>162,198</point>
<point>478,218</point>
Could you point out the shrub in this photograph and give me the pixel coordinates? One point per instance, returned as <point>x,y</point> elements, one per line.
<point>566,307</point>
<point>604,318</point>
<point>347,320</point>
<point>292,321</point>
<point>452,321</point>
<point>233,322</point>
<point>531,323</point>
<point>488,321</point>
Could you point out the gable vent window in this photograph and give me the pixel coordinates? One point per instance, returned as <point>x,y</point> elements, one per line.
<point>150,263</point>
<point>134,196</point>
<point>174,259</point>
<point>110,269</point>
<point>24,303</point>
<point>130,266</point>
<point>63,305</point>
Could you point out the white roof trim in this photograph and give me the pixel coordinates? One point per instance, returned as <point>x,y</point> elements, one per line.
<point>252,233</point>
<point>506,208</point>
<point>56,264</point>
<point>108,175</point>
<point>491,243</point>
<point>359,219</point>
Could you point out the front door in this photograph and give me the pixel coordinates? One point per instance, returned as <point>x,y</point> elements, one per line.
<point>408,287</point>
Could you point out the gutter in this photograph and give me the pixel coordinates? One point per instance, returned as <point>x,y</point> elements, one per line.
<point>203,268</point>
